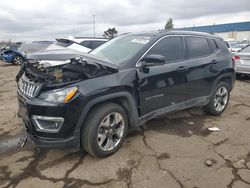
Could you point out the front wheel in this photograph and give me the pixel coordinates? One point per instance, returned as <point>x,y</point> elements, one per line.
<point>219,100</point>
<point>17,60</point>
<point>105,129</point>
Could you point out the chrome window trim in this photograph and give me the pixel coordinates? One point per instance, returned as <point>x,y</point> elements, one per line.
<point>206,37</point>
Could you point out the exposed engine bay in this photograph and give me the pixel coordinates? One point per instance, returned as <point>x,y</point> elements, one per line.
<point>76,69</point>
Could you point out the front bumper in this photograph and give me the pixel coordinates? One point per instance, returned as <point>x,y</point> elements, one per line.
<point>67,136</point>
<point>71,142</point>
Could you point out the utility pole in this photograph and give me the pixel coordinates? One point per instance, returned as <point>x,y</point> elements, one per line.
<point>94,24</point>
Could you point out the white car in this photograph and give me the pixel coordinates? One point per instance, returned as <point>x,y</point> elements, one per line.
<point>82,44</point>
<point>238,47</point>
<point>67,45</point>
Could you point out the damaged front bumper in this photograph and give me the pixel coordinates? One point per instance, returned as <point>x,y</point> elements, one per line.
<point>51,125</point>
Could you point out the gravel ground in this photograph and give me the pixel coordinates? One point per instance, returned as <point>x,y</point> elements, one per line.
<point>173,151</point>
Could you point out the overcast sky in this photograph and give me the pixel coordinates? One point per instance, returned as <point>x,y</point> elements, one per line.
<point>46,19</point>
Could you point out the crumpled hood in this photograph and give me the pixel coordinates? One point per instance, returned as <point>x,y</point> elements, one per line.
<point>64,55</point>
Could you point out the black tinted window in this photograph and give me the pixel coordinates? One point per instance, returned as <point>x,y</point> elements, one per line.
<point>95,44</point>
<point>197,46</point>
<point>222,46</point>
<point>170,47</point>
<point>87,44</point>
<point>212,45</point>
<point>227,44</point>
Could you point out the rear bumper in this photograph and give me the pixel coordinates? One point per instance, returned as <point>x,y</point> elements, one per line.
<point>243,69</point>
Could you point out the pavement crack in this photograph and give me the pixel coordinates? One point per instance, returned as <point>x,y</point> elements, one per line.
<point>76,165</point>
<point>159,158</point>
<point>229,164</point>
<point>29,171</point>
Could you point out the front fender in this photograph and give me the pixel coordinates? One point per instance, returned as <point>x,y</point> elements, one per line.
<point>133,112</point>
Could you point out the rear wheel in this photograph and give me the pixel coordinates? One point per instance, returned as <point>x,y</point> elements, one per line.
<point>17,60</point>
<point>219,100</point>
<point>105,129</point>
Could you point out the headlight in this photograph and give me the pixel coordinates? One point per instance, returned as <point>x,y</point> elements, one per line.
<point>59,95</point>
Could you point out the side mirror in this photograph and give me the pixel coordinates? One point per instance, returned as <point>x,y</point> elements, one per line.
<point>152,60</point>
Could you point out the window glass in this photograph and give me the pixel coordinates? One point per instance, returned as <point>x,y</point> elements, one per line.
<point>212,45</point>
<point>121,48</point>
<point>227,44</point>
<point>63,42</point>
<point>197,46</point>
<point>87,44</point>
<point>96,44</point>
<point>222,46</point>
<point>246,50</point>
<point>170,47</point>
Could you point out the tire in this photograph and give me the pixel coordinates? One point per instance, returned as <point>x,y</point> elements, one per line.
<point>239,76</point>
<point>219,100</point>
<point>17,60</point>
<point>101,123</point>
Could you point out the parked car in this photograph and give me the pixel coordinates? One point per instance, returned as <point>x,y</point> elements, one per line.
<point>10,54</point>
<point>82,44</point>
<point>17,54</point>
<point>238,47</point>
<point>66,46</point>
<point>242,61</point>
<point>94,99</point>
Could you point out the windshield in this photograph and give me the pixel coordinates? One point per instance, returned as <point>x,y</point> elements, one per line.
<point>121,48</point>
<point>245,50</point>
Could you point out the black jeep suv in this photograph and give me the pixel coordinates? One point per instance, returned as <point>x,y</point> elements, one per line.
<point>91,100</point>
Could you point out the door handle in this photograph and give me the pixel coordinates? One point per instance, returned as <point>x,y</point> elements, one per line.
<point>182,68</point>
<point>214,62</point>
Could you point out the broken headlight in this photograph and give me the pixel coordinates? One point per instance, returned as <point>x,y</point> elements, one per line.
<point>59,95</point>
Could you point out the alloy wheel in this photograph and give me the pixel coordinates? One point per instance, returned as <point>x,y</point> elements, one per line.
<point>221,98</point>
<point>18,60</point>
<point>110,131</point>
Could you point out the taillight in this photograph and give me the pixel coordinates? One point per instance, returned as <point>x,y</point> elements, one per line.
<point>236,57</point>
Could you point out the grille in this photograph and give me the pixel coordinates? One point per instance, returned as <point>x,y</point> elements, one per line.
<point>27,88</point>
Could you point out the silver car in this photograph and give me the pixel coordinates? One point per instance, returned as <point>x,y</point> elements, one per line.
<point>242,61</point>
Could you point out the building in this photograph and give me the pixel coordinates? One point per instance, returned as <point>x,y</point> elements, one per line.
<point>236,31</point>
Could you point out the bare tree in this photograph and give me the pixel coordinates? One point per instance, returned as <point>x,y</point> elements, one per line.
<point>169,25</point>
<point>110,33</point>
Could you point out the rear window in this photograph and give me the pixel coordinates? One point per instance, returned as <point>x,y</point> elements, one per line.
<point>245,50</point>
<point>87,44</point>
<point>227,44</point>
<point>197,46</point>
<point>96,44</point>
<point>212,44</point>
<point>222,46</point>
<point>63,42</point>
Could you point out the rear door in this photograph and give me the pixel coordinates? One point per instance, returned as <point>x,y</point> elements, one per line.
<point>203,62</point>
<point>164,85</point>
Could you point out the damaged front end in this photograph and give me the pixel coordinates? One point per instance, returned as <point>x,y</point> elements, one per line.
<point>50,99</point>
<point>35,76</point>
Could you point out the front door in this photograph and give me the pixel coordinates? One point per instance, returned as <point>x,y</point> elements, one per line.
<point>163,85</point>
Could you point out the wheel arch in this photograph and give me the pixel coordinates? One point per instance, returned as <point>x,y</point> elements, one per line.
<point>124,99</point>
<point>228,78</point>
<point>14,54</point>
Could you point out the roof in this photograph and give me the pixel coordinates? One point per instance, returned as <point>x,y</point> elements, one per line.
<point>174,32</point>
<point>240,26</point>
